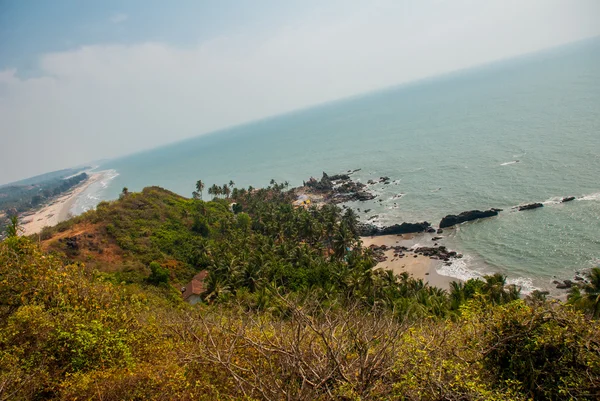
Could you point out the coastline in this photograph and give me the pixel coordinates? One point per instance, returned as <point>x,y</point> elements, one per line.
<point>57,211</point>
<point>418,266</point>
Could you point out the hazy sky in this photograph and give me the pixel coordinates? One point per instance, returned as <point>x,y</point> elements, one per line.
<point>84,80</point>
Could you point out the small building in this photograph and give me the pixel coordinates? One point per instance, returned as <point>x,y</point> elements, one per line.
<point>191,292</point>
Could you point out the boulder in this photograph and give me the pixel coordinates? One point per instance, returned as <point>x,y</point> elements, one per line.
<point>564,285</point>
<point>529,206</point>
<point>404,228</point>
<point>339,177</point>
<point>568,199</point>
<point>439,231</point>
<point>451,219</point>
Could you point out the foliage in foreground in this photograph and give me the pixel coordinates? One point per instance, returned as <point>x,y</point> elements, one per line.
<point>293,310</point>
<point>68,333</point>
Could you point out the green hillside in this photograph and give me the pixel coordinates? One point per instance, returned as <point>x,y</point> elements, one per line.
<point>292,309</point>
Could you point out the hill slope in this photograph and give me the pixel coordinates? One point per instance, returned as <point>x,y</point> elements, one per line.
<point>292,310</point>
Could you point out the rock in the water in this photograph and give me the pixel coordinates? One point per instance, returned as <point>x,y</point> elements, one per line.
<point>568,199</point>
<point>529,206</point>
<point>439,231</point>
<point>339,177</point>
<point>404,228</point>
<point>564,285</point>
<point>452,219</point>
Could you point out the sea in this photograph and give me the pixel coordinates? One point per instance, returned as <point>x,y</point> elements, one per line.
<point>496,136</point>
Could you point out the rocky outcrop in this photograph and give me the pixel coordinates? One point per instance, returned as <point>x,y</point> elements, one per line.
<point>529,206</point>
<point>453,219</point>
<point>568,199</point>
<point>404,228</point>
<point>339,177</point>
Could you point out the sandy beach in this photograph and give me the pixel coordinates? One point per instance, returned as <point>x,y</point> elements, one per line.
<point>418,266</point>
<point>56,211</point>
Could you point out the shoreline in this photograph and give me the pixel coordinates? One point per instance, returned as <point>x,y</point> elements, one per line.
<point>418,266</point>
<point>57,210</point>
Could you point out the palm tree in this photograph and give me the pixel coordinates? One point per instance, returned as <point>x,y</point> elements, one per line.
<point>231,183</point>
<point>590,299</point>
<point>225,190</point>
<point>215,190</point>
<point>199,187</point>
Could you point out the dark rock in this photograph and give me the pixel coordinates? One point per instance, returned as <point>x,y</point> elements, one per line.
<point>436,238</point>
<point>404,228</point>
<point>529,206</point>
<point>339,177</point>
<point>430,230</point>
<point>367,210</point>
<point>364,196</point>
<point>565,285</point>
<point>452,219</point>
<point>568,199</point>
<point>555,282</point>
<point>439,231</point>
<point>370,182</point>
<point>578,278</point>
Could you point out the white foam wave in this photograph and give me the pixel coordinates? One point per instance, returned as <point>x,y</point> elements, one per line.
<point>92,195</point>
<point>107,177</point>
<point>509,163</point>
<point>590,197</point>
<point>552,201</point>
<point>459,269</point>
<point>525,283</point>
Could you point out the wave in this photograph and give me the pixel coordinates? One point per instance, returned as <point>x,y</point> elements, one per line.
<point>525,283</point>
<point>590,197</point>
<point>509,163</point>
<point>459,268</point>
<point>553,201</point>
<point>93,194</point>
<point>558,199</point>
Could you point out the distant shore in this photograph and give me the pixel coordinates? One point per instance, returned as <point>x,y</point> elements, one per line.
<point>418,266</point>
<point>56,211</point>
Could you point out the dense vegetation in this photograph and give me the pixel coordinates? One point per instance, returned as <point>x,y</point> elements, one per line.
<point>293,309</point>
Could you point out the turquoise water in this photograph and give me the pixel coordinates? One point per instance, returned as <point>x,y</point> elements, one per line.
<point>451,143</point>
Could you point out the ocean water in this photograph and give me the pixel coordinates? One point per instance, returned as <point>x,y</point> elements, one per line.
<point>517,131</point>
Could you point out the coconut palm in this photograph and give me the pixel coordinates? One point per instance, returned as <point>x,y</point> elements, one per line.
<point>225,190</point>
<point>199,188</point>
<point>589,299</point>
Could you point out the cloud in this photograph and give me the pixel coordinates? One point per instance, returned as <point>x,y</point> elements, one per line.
<point>118,18</point>
<point>108,100</point>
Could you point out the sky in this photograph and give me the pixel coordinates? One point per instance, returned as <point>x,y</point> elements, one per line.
<point>88,80</point>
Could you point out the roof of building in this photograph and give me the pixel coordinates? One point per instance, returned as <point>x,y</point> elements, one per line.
<point>196,286</point>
